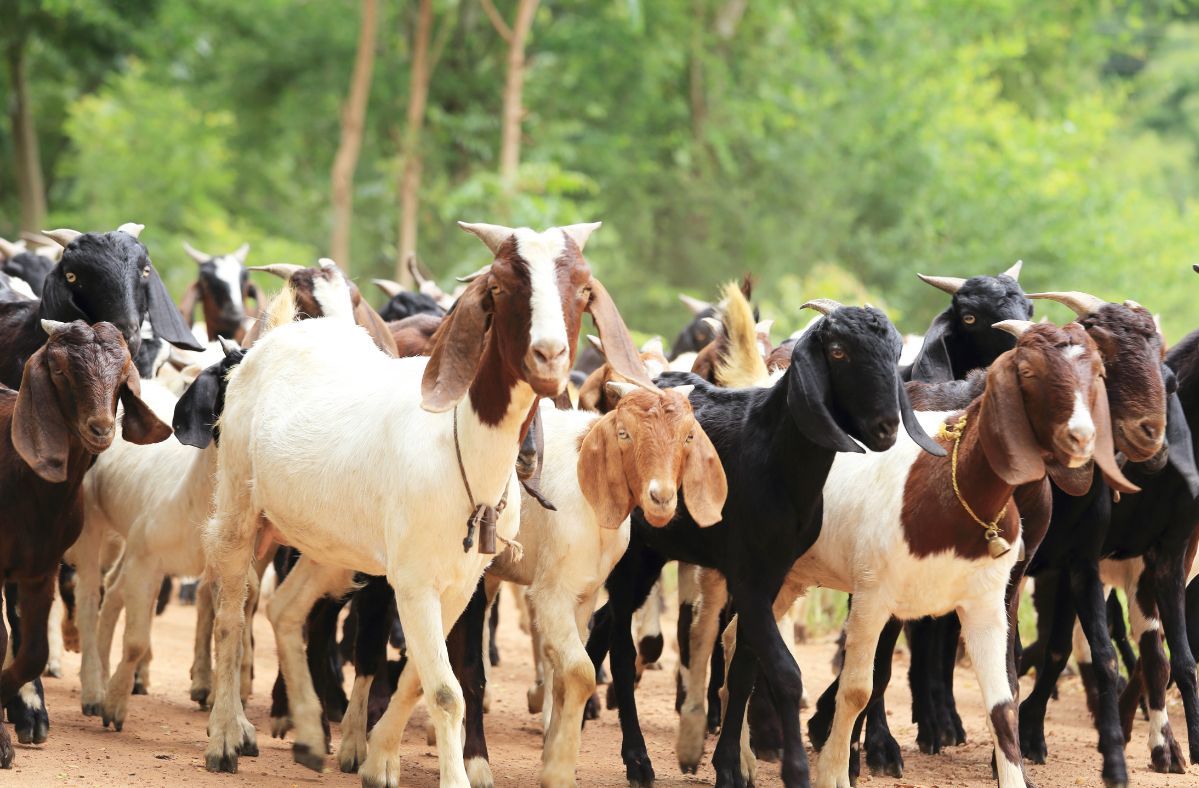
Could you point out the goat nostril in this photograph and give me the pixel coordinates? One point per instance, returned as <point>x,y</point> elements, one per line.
<point>99,429</point>
<point>1148,430</point>
<point>548,352</point>
<point>661,497</point>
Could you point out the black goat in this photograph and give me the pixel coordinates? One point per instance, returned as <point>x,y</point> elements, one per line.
<point>403,303</point>
<point>29,266</point>
<point>776,445</point>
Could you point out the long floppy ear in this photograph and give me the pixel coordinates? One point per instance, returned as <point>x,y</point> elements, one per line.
<point>808,393</point>
<point>705,487</point>
<point>368,318</point>
<point>139,424</point>
<point>195,412</point>
<point>1105,450</point>
<point>932,364</point>
<point>166,318</point>
<point>619,349</point>
<point>912,425</point>
<point>188,304</point>
<point>458,347</point>
<point>39,431</point>
<point>601,474</point>
<point>591,393</point>
<point>1181,451</point>
<point>1006,436</point>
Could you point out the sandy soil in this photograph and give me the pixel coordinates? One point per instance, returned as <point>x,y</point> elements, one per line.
<point>164,736</point>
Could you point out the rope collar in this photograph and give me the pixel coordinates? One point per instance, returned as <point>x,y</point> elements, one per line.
<point>997,546</point>
<point>484,516</point>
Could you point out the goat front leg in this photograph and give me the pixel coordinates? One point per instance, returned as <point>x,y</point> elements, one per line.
<point>6,751</point>
<point>704,631</point>
<point>1164,753</point>
<point>92,674</point>
<point>140,577</point>
<point>287,610</point>
<point>1169,575</point>
<point>1053,647</point>
<point>465,647</point>
<point>20,682</point>
<point>1087,591</point>
<point>371,606</point>
<point>984,628</point>
<point>563,621</point>
<point>867,618</point>
<point>201,670</point>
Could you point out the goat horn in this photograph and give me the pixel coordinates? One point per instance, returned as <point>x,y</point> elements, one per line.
<point>53,327</point>
<point>413,266</point>
<point>764,326</point>
<point>131,228</point>
<point>196,254</point>
<point>493,235</point>
<point>654,345</point>
<point>281,270</point>
<point>685,390</point>
<point>1133,304</point>
<point>10,249</point>
<point>1014,327</point>
<point>696,306</point>
<point>240,253</point>
<point>62,236</point>
<point>579,233</point>
<point>950,284</point>
<point>618,389</point>
<point>390,288</point>
<point>596,343</point>
<point>472,277</point>
<point>1014,271</point>
<point>825,306</point>
<point>1083,304</point>
<point>228,346</point>
<point>715,325</point>
<point>328,262</point>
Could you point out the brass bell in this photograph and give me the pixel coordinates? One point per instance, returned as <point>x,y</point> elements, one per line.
<point>997,546</point>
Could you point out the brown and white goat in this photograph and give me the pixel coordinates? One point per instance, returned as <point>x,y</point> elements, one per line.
<point>51,429</point>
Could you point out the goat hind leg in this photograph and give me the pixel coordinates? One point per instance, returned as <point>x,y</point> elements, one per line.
<point>201,670</point>
<point>984,629</point>
<point>140,578</point>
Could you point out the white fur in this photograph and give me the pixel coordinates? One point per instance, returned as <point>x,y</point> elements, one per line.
<point>28,695</point>
<point>228,270</point>
<point>318,428</point>
<point>539,251</point>
<point>334,297</point>
<point>1081,424</point>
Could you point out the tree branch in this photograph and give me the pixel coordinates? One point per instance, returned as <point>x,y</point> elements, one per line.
<point>497,21</point>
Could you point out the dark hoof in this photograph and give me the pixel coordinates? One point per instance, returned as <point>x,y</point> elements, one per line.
<point>6,752</point>
<point>638,770</point>
<point>221,763</point>
<point>591,710</point>
<point>714,720</point>
<point>611,697</point>
<point>884,758</point>
<point>139,688</point>
<point>200,696</point>
<point>1033,747</point>
<point>1168,759</point>
<point>303,755</point>
<point>650,649</point>
<point>91,709</point>
<point>730,778</point>
<point>248,749</point>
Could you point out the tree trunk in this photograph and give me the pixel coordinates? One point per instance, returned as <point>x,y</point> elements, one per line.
<point>353,115</point>
<point>514,84</point>
<point>418,94</point>
<point>31,187</point>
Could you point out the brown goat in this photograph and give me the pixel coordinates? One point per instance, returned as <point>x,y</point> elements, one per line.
<point>50,431</point>
<point>595,395</point>
<point>414,335</point>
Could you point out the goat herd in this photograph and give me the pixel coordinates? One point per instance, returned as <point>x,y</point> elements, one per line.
<point>404,461</point>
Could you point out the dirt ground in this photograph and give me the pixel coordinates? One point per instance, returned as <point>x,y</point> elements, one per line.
<point>164,736</point>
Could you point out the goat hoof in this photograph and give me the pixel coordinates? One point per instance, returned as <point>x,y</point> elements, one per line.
<point>6,752</point>
<point>53,671</point>
<point>91,710</point>
<point>591,711</point>
<point>303,755</point>
<point>1033,747</point>
<point>639,770</point>
<point>225,762</point>
<point>200,695</point>
<point>611,697</point>
<point>139,688</point>
<point>885,760</point>
<point>280,726</point>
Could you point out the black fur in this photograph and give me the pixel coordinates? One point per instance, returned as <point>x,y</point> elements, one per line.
<point>407,304</point>
<point>30,267</point>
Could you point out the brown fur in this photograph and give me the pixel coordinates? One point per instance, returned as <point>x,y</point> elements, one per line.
<point>70,386</point>
<point>594,394</point>
<point>739,361</point>
<point>414,335</point>
<point>650,435</point>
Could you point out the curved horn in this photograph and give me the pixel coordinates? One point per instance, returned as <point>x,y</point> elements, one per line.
<point>654,345</point>
<point>390,288</point>
<point>950,284</point>
<point>695,305</point>
<point>1014,271</point>
<point>1014,327</point>
<point>228,346</point>
<point>1133,305</point>
<point>715,325</point>
<point>825,306</point>
<point>596,343</point>
<point>62,236</point>
<point>53,327</point>
<point>618,388</point>
<point>328,262</point>
<point>131,228</point>
<point>282,270</point>
<point>418,275</point>
<point>472,277</point>
<point>240,253</point>
<point>764,326</point>
<point>10,249</point>
<point>1083,304</point>
<point>493,235</point>
<point>579,233</point>
<point>196,254</point>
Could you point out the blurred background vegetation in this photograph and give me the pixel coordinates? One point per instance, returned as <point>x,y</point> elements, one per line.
<point>831,148</point>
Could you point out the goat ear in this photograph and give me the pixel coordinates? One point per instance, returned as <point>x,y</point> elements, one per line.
<point>195,412</point>
<point>140,424</point>
<point>39,431</point>
<point>1105,450</point>
<point>165,317</point>
<point>808,392</point>
<point>1006,436</point>
<point>601,474</point>
<point>932,364</point>
<point>368,318</point>
<point>591,393</point>
<point>705,487</point>
<point>912,425</point>
<point>458,347</point>
<point>57,302</point>
<point>619,349</point>
<point>1181,451</point>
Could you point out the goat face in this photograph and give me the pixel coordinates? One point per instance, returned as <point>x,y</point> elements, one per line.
<point>225,286</point>
<point>642,452</point>
<point>844,381</point>
<point>71,386</point>
<point>108,277</point>
<point>1132,355</point>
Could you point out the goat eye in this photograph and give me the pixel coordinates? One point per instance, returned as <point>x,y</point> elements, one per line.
<point>146,272</point>
<point>968,319</point>
<point>622,433</point>
<point>690,437</point>
<point>585,292</point>
<point>496,290</point>
<point>70,277</point>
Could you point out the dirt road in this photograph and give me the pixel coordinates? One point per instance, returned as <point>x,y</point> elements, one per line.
<point>164,736</point>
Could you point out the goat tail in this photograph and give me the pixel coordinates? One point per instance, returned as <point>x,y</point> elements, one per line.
<point>281,309</point>
<point>740,363</point>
